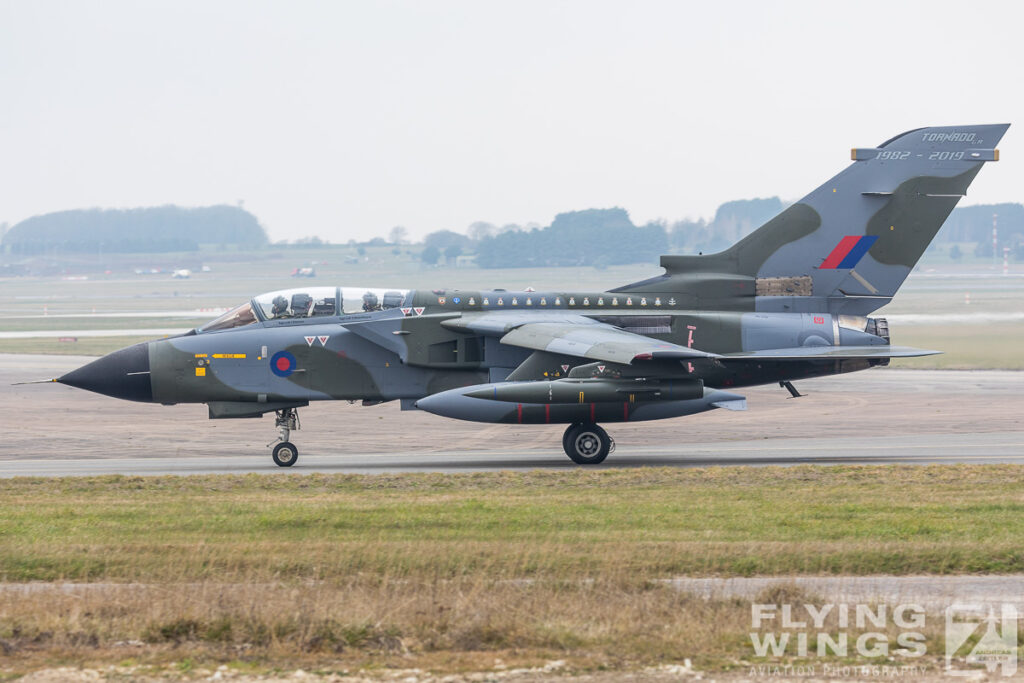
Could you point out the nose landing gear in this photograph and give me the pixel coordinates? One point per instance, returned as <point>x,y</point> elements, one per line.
<point>285,453</point>
<point>587,444</point>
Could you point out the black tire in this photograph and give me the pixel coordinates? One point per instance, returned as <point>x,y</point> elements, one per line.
<point>587,444</point>
<point>568,435</point>
<point>285,454</point>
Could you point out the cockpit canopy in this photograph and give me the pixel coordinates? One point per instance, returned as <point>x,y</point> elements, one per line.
<point>308,302</point>
<point>304,302</point>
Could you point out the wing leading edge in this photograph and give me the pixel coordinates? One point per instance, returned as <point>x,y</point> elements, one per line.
<point>597,342</point>
<point>573,335</point>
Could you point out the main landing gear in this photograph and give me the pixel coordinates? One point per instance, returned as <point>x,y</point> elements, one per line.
<point>587,444</point>
<point>285,453</point>
<point>788,386</point>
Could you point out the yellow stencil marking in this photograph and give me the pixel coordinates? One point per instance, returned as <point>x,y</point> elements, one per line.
<point>200,372</point>
<point>229,355</point>
<point>200,355</point>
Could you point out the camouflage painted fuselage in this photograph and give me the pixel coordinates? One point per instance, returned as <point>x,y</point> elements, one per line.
<point>788,301</point>
<point>409,352</point>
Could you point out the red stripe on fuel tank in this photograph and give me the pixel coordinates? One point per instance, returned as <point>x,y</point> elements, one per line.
<point>592,412</point>
<point>519,412</point>
<point>547,413</point>
<point>625,412</point>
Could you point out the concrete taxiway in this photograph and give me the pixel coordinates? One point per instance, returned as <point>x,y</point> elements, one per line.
<point>884,415</point>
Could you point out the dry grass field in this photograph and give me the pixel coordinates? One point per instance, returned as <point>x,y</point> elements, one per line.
<point>449,573</point>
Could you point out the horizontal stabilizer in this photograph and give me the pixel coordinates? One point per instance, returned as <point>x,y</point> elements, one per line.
<point>829,353</point>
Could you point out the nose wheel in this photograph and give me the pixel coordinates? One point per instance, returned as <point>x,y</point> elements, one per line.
<point>285,453</point>
<point>587,443</point>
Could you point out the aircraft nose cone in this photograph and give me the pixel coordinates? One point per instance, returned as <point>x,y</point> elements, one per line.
<point>121,374</point>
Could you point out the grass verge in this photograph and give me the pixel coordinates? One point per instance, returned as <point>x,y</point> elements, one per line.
<point>449,572</point>
<point>644,523</point>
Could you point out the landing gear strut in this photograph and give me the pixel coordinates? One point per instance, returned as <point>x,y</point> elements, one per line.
<point>285,453</point>
<point>788,386</point>
<point>587,444</point>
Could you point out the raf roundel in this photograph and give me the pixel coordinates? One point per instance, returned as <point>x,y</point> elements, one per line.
<point>282,364</point>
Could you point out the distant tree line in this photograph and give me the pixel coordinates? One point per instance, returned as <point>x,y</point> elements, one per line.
<point>157,229</point>
<point>974,224</point>
<point>597,237</point>
<point>443,244</point>
<point>733,221</point>
<point>603,237</point>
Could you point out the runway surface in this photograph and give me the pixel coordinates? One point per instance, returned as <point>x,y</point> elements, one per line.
<point>884,415</point>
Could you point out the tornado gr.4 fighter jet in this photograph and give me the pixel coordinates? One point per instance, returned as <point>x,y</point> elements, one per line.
<point>791,300</point>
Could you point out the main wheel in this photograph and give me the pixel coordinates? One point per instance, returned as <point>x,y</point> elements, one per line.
<point>285,454</point>
<point>586,444</point>
<point>567,435</point>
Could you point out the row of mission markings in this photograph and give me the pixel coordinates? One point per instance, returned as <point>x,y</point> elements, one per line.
<point>543,301</point>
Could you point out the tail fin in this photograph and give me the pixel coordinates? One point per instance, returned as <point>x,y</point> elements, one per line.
<point>848,245</point>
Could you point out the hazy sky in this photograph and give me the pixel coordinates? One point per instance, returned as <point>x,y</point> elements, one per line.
<point>343,119</point>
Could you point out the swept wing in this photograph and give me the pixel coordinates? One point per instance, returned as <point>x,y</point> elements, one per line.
<point>572,335</point>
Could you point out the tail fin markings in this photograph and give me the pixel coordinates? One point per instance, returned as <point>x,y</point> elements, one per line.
<point>857,236</point>
<point>848,253</point>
